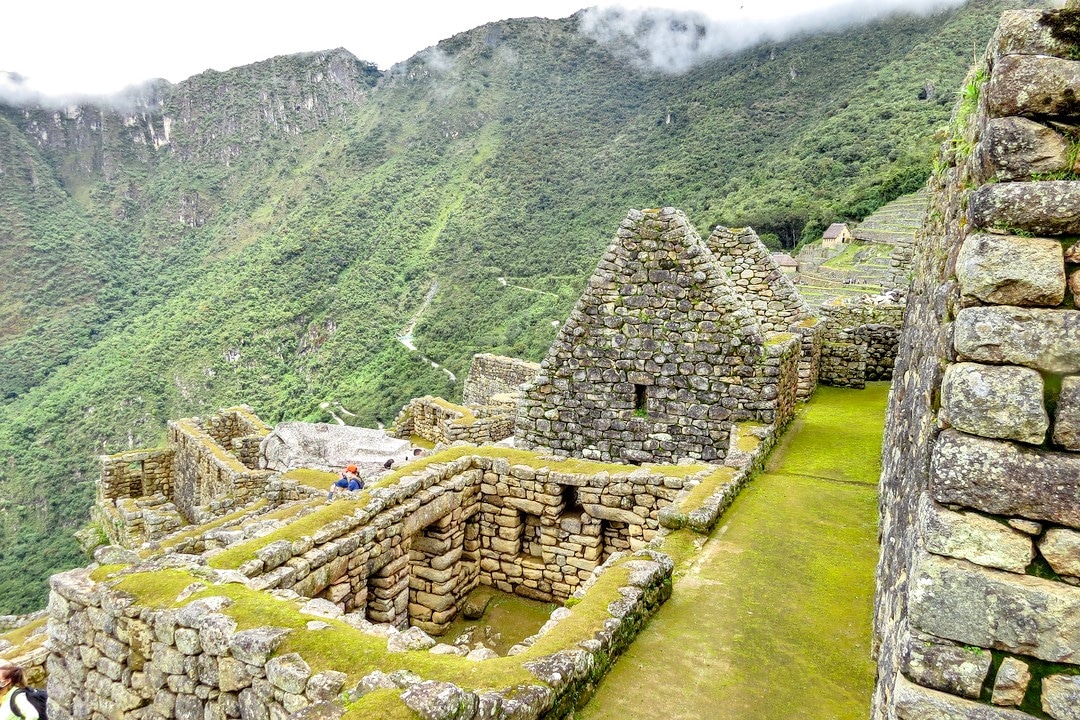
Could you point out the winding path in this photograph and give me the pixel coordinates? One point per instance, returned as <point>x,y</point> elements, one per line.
<point>772,619</point>
<point>406,336</point>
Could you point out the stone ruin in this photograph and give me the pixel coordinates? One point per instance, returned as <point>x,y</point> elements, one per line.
<point>666,359</point>
<point>978,602</point>
<point>660,356</point>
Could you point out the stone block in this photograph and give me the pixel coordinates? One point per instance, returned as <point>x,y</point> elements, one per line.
<point>1067,414</point>
<point>1020,614</point>
<point>1016,148</point>
<point>255,646</point>
<point>1033,85</point>
<point>288,673</point>
<point>995,401</point>
<point>918,703</point>
<point>973,537</point>
<point>1061,696</point>
<point>943,666</point>
<point>1047,340</point>
<point>1011,270</point>
<point>1011,682</point>
<point>1047,207</point>
<point>1004,478</point>
<point>1061,548</point>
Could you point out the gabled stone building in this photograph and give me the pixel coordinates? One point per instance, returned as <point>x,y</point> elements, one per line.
<point>659,356</point>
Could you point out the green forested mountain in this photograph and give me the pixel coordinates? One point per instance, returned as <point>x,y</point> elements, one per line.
<point>263,235</point>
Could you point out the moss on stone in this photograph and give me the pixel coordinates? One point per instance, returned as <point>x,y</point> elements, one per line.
<point>20,634</point>
<point>319,479</point>
<point>708,485</point>
<point>384,704</point>
<point>198,530</point>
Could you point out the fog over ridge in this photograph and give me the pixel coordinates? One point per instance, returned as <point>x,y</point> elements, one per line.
<point>673,41</point>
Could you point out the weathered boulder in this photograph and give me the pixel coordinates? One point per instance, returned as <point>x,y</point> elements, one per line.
<point>255,646</point>
<point>1048,207</point>
<point>1011,270</point>
<point>973,537</point>
<point>1016,148</point>
<point>995,401</point>
<point>433,700</point>
<point>1020,614</point>
<point>982,474</point>
<point>1027,32</point>
<point>288,672</point>
<point>327,447</point>
<point>1047,340</point>
<point>411,639</point>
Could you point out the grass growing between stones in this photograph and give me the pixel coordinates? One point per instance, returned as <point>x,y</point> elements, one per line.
<point>772,619</point>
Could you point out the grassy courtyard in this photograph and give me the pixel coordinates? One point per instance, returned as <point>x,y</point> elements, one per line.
<point>772,619</point>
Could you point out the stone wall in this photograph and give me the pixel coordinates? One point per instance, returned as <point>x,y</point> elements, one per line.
<point>859,342</point>
<point>135,474</point>
<point>440,421</point>
<point>978,605</point>
<point>410,559</point>
<point>115,659</point>
<point>209,479</point>
<point>652,362</point>
<point>771,295</point>
<point>492,376</point>
<point>240,431</point>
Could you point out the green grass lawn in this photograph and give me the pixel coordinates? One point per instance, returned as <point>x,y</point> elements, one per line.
<point>772,620</point>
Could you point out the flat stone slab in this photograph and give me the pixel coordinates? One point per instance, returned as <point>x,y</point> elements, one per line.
<point>328,447</point>
<point>1047,207</point>
<point>1004,478</point>
<point>1020,614</point>
<point>917,703</point>
<point>1042,339</point>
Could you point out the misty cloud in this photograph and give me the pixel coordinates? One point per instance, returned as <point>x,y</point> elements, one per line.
<point>17,91</point>
<point>672,42</point>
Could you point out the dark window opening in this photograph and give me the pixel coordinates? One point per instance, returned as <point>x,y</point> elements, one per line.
<point>640,400</point>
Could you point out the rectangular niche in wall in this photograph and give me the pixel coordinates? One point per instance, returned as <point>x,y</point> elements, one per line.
<point>641,400</point>
<point>570,519</point>
<point>531,547</point>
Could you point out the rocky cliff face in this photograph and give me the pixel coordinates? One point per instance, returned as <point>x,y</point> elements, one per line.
<point>978,610</point>
<point>213,116</point>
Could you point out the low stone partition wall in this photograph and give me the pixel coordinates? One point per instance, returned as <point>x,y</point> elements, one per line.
<point>494,375</point>
<point>775,387</point>
<point>811,331</point>
<point>120,652</point>
<point>208,479</point>
<point>440,421</point>
<point>130,522</point>
<point>860,341</point>
<point>135,474</point>
<point>240,431</point>
<point>977,613</point>
<point>508,519</point>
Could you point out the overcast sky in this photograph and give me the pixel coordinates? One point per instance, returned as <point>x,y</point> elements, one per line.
<point>67,47</point>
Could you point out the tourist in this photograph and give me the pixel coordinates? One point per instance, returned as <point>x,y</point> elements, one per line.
<point>349,480</point>
<point>16,700</point>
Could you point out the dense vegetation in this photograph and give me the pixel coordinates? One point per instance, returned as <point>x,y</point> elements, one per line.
<point>263,235</point>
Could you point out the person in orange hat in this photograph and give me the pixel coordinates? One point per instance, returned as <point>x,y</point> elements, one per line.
<point>349,480</point>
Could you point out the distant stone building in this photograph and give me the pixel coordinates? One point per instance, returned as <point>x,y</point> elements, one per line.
<point>835,235</point>
<point>787,264</point>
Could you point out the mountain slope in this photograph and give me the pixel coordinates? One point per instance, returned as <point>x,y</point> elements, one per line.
<point>263,235</point>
